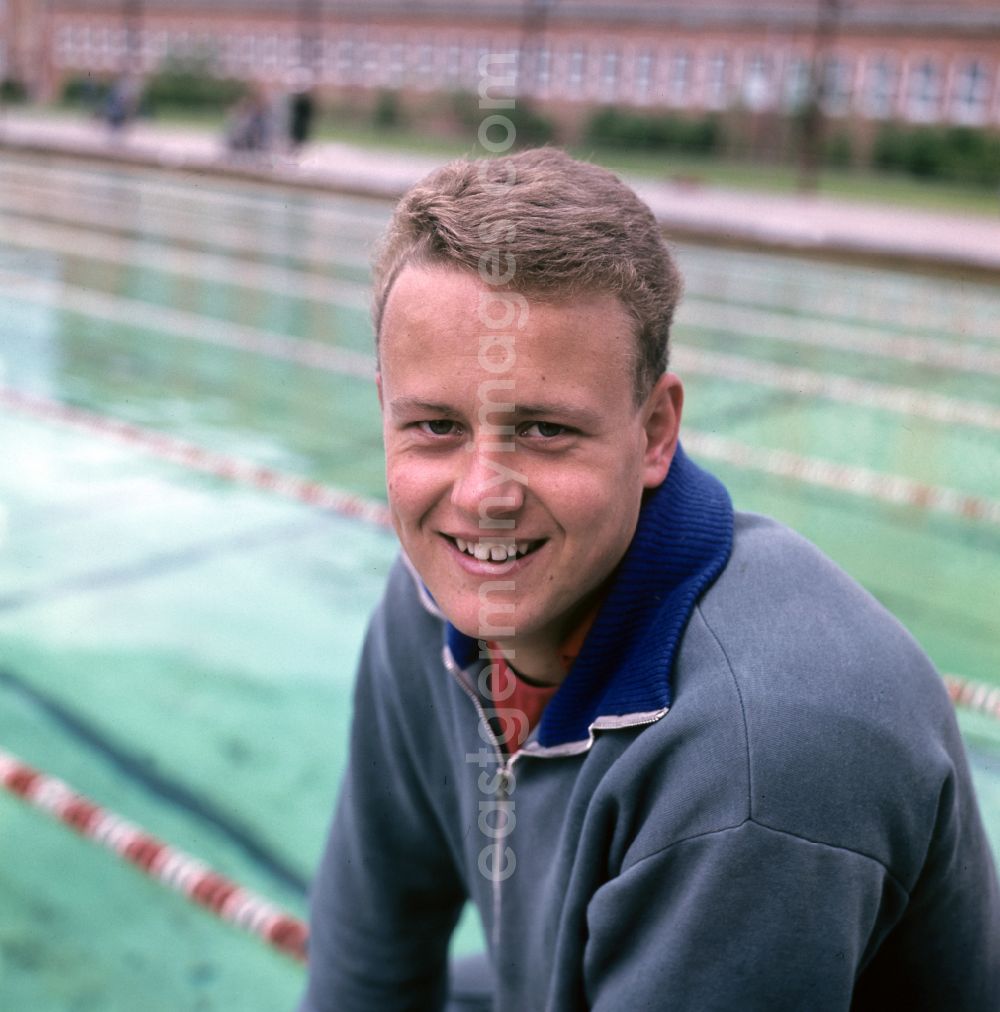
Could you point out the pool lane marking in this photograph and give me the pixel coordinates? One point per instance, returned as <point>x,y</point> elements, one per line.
<point>766,325</point>
<point>306,245</point>
<point>971,695</point>
<point>153,566</point>
<point>274,198</point>
<point>198,458</point>
<point>318,287</point>
<point>138,769</point>
<point>844,389</point>
<point>297,209</point>
<point>749,272</point>
<point>891,489</point>
<point>209,266</point>
<point>905,306</point>
<point>915,313</point>
<point>345,362</point>
<point>192,326</point>
<point>159,860</point>
<point>877,486</point>
<point>746,324</point>
<point>745,320</point>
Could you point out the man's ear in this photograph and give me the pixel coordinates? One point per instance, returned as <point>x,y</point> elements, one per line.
<point>662,422</point>
<point>378,387</point>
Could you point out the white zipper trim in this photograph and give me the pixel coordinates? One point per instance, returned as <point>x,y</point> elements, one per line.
<point>422,592</point>
<point>607,723</point>
<point>505,763</point>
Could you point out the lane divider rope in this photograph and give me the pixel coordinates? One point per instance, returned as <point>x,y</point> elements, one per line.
<point>890,488</point>
<point>197,458</point>
<point>339,361</point>
<point>976,696</point>
<point>700,314</point>
<point>895,490</point>
<point>925,307</point>
<point>842,389</point>
<point>191,326</point>
<point>159,860</point>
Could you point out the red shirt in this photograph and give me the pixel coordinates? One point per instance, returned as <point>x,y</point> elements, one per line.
<point>519,704</point>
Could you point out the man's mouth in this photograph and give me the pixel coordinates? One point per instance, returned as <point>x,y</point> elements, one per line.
<point>496,551</point>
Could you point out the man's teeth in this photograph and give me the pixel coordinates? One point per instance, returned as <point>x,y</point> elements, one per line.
<point>486,551</point>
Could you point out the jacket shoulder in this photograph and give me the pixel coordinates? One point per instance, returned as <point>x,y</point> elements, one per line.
<point>848,734</point>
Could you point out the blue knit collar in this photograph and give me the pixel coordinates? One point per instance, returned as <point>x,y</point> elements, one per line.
<point>681,544</point>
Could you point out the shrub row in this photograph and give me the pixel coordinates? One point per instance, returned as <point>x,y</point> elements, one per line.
<point>958,154</point>
<point>611,127</point>
<point>177,86</point>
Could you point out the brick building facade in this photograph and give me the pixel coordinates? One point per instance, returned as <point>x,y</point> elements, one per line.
<point>916,61</point>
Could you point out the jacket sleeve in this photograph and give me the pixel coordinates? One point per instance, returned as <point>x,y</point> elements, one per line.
<point>754,919</point>
<point>386,897</point>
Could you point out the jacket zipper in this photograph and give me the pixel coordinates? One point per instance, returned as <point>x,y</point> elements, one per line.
<point>502,794</point>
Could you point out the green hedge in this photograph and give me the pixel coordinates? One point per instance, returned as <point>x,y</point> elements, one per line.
<point>610,127</point>
<point>955,154</point>
<point>85,90</point>
<point>12,91</point>
<point>388,112</point>
<point>531,126</point>
<point>190,86</point>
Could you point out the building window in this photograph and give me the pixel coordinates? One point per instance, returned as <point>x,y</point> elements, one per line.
<point>534,69</point>
<point>453,66</point>
<point>575,67</point>
<point>642,81</point>
<point>717,81</point>
<point>923,100</point>
<point>679,85</point>
<point>483,52</point>
<point>881,84</point>
<point>270,53</point>
<point>396,70</point>
<point>838,81</point>
<point>543,69</point>
<point>425,64</point>
<point>367,58</point>
<point>758,82</point>
<point>970,95</point>
<point>798,83</point>
<point>610,63</point>
<point>291,52</point>
<point>345,60</point>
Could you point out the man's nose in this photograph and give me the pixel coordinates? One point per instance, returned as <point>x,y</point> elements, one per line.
<point>487,486</point>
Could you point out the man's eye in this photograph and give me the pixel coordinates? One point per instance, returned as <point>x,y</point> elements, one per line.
<point>439,427</point>
<point>547,430</point>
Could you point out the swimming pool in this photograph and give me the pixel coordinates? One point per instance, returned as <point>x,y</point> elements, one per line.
<point>178,625</point>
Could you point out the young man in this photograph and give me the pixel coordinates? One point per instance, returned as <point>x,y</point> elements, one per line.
<point>675,757</point>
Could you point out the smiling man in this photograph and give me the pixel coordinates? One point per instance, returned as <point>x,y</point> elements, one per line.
<point>672,754</point>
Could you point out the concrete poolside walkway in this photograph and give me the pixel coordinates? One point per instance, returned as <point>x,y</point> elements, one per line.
<point>821,225</point>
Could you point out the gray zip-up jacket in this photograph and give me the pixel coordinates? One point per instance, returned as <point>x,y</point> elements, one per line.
<point>749,794</point>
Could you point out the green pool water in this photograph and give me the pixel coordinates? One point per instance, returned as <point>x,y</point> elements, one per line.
<point>181,648</point>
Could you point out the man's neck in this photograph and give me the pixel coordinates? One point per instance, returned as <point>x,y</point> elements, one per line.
<point>536,662</point>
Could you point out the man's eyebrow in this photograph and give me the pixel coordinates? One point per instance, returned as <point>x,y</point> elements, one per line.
<point>558,409</point>
<point>546,409</point>
<point>408,405</point>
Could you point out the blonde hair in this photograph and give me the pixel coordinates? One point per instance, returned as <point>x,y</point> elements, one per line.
<point>562,226</point>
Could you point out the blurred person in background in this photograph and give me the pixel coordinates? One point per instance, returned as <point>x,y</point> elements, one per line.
<point>249,124</point>
<point>301,112</point>
<point>674,756</point>
<point>121,104</point>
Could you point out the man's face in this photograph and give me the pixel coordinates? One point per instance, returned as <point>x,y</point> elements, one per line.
<point>511,427</point>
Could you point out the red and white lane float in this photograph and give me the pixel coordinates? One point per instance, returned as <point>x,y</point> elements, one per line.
<point>161,861</point>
